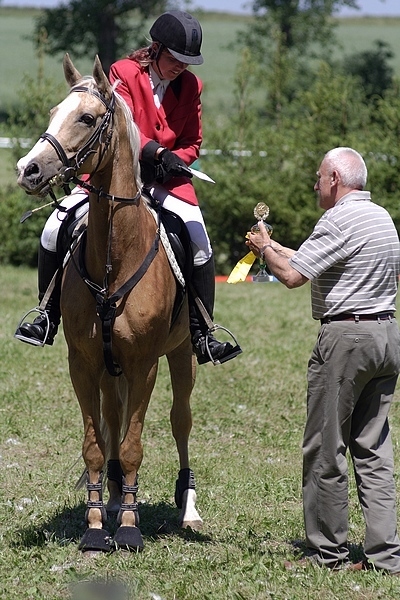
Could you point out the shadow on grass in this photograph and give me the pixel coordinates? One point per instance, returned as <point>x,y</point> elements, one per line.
<point>67,526</point>
<point>300,550</point>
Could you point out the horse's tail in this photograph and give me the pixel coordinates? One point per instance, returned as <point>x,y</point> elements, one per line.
<point>121,389</point>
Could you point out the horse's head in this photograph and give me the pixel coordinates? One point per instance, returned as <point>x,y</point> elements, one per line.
<point>78,134</point>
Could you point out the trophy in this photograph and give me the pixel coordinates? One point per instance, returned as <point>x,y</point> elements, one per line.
<point>261,212</point>
<point>242,268</point>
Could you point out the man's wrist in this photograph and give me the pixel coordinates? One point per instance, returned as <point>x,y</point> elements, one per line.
<point>263,249</point>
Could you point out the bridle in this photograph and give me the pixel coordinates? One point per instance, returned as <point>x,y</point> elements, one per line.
<point>100,137</point>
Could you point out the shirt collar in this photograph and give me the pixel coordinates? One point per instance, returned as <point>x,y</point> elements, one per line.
<point>355,195</point>
<point>156,81</point>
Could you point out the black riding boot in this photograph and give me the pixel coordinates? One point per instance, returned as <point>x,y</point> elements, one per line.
<point>36,331</point>
<point>204,344</point>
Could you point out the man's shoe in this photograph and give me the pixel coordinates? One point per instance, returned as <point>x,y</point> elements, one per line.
<point>207,348</point>
<point>41,331</point>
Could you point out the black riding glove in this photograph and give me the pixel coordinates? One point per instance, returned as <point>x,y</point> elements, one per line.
<point>172,164</point>
<point>166,165</point>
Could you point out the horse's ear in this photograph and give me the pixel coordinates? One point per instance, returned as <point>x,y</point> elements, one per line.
<point>72,75</point>
<point>101,78</point>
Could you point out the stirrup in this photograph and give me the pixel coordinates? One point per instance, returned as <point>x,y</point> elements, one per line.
<point>33,341</point>
<point>234,352</point>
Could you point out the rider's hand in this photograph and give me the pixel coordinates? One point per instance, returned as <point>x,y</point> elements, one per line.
<point>172,164</point>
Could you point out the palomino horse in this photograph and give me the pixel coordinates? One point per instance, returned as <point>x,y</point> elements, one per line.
<point>91,131</point>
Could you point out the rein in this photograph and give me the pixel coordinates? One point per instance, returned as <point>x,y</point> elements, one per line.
<point>101,194</point>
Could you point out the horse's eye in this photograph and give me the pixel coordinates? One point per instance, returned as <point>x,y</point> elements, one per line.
<point>88,119</point>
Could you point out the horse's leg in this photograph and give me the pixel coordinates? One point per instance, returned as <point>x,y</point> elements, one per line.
<point>96,538</point>
<point>140,386</point>
<point>182,366</point>
<point>112,408</point>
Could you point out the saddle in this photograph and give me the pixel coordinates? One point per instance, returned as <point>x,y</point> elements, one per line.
<point>72,228</point>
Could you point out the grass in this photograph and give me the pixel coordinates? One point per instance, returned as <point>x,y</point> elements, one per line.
<point>245,450</point>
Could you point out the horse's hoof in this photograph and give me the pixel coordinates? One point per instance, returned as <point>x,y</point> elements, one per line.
<point>128,538</point>
<point>94,541</point>
<point>189,517</point>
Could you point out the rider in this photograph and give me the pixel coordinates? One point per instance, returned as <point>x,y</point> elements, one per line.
<point>165,102</point>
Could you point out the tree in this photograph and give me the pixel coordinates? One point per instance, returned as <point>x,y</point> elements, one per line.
<point>301,22</point>
<point>372,67</point>
<point>283,36</point>
<point>103,27</point>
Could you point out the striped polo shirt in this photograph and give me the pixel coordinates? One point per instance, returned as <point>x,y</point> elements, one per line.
<point>352,259</point>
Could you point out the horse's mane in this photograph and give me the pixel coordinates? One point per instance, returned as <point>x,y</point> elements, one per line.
<point>133,135</point>
<point>131,127</point>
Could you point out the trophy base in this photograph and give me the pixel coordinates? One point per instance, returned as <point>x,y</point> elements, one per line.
<point>264,279</point>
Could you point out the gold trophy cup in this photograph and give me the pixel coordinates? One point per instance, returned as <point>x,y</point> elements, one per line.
<point>242,268</point>
<point>261,212</point>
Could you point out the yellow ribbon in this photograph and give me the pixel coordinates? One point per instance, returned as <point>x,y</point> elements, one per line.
<point>242,268</point>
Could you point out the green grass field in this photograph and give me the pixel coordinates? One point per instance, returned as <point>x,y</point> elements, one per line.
<point>245,451</point>
<point>19,57</point>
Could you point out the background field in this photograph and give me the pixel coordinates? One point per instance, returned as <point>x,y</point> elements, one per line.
<point>18,59</point>
<point>245,451</point>
<point>220,31</point>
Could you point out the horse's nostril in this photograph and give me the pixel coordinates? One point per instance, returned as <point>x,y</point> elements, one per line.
<point>32,169</point>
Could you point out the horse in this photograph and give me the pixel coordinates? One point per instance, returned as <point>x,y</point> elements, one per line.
<point>117,303</point>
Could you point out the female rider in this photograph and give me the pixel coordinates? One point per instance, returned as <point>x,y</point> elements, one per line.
<point>165,102</point>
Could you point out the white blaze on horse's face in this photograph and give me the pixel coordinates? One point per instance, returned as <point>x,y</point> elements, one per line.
<point>58,117</point>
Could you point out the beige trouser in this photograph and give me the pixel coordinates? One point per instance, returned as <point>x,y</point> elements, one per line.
<point>352,375</point>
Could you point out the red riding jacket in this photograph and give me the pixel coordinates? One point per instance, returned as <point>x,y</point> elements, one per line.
<point>176,125</point>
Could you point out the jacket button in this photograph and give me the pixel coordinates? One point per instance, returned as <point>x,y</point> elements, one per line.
<point>158,127</point>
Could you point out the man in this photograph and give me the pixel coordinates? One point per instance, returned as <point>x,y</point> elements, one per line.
<point>352,259</point>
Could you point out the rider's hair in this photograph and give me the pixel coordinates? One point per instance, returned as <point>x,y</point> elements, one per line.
<point>145,56</point>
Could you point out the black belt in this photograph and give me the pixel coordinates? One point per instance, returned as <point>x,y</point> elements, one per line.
<point>349,317</point>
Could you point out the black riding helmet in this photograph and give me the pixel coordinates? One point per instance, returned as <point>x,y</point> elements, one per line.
<point>181,34</point>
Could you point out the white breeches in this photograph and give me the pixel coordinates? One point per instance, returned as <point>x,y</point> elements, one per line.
<point>193,219</point>
<point>191,215</point>
<point>49,235</point>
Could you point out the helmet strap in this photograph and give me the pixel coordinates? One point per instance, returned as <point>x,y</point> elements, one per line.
<point>156,54</point>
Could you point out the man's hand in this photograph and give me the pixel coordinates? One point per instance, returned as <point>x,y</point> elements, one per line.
<point>256,241</point>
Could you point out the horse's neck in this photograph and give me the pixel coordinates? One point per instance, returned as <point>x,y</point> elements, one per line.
<point>116,230</point>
